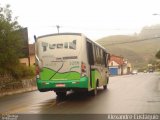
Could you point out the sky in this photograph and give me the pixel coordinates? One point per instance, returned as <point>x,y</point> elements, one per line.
<point>94,18</point>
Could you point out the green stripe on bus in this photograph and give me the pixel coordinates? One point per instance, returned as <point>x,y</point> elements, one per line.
<point>95,76</point>
<point>48,74</point>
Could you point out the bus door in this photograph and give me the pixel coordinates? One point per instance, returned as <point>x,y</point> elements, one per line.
<point>90,59</point>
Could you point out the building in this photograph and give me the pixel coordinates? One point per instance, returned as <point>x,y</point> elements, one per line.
<point>31,59</point>
<point>119,66</point>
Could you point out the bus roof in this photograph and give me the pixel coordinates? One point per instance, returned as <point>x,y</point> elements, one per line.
<point>97,44</point>
<point>78,34</point>
<point>56,34</point>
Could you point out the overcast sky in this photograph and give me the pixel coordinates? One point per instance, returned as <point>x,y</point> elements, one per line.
<point>94,18</point>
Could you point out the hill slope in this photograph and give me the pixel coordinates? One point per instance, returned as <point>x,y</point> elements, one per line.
<point>138,49</point>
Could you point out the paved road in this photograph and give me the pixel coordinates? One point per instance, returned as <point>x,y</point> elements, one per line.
<point>126,94</point>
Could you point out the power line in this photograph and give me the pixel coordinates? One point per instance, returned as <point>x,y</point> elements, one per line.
<point>133,41</point>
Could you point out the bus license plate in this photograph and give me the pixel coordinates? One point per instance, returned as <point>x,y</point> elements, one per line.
<point>60,85</point>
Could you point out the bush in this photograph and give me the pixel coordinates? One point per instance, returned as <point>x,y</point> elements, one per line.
<point>22,71</point>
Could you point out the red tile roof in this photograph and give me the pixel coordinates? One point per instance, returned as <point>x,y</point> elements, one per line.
<point>118,59</point>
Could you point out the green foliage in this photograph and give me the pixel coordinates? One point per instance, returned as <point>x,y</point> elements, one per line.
<point>10,41</point>
<point>22,71</point>
<point>158,54</point>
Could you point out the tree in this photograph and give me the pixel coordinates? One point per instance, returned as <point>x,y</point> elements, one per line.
<point>158,54</point>
<point>10,41</point>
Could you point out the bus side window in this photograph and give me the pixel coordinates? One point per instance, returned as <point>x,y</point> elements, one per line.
<point>108,58</point>
<point>90,53</point>
<point>104,59</point>
<point>94,53</point>
<point>97,55</point>
<point>101,57</point>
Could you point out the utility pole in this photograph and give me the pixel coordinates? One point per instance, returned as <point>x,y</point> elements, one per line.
<point>58,28</point>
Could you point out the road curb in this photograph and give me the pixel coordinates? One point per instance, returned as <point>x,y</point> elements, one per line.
<point>18,91</point>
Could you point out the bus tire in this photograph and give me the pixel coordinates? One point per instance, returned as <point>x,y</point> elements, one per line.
<point>94,92</point>
<point>42,90</point>
<point>61,94</point>
<point>104,87</point>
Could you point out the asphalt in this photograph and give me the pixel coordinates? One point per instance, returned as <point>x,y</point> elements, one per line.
<point>125,94</point>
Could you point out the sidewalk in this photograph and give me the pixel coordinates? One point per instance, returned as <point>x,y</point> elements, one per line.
<point>22,90</point>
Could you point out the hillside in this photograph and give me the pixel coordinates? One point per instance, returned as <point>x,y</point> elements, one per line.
<point>138,49</point>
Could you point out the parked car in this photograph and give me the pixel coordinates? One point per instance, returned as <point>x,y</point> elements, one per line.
<point>145,71</point>
<point>134,72</point>
<point>150,70</point>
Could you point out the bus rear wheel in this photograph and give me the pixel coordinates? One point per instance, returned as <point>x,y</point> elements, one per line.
<point>104,87</point>
<point>94,92</point>
<point>61,94</point>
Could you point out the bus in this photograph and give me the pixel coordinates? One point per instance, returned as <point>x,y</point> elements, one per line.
<point>70,61</point>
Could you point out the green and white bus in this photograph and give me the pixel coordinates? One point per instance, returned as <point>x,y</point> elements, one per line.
<point>70,61</point>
